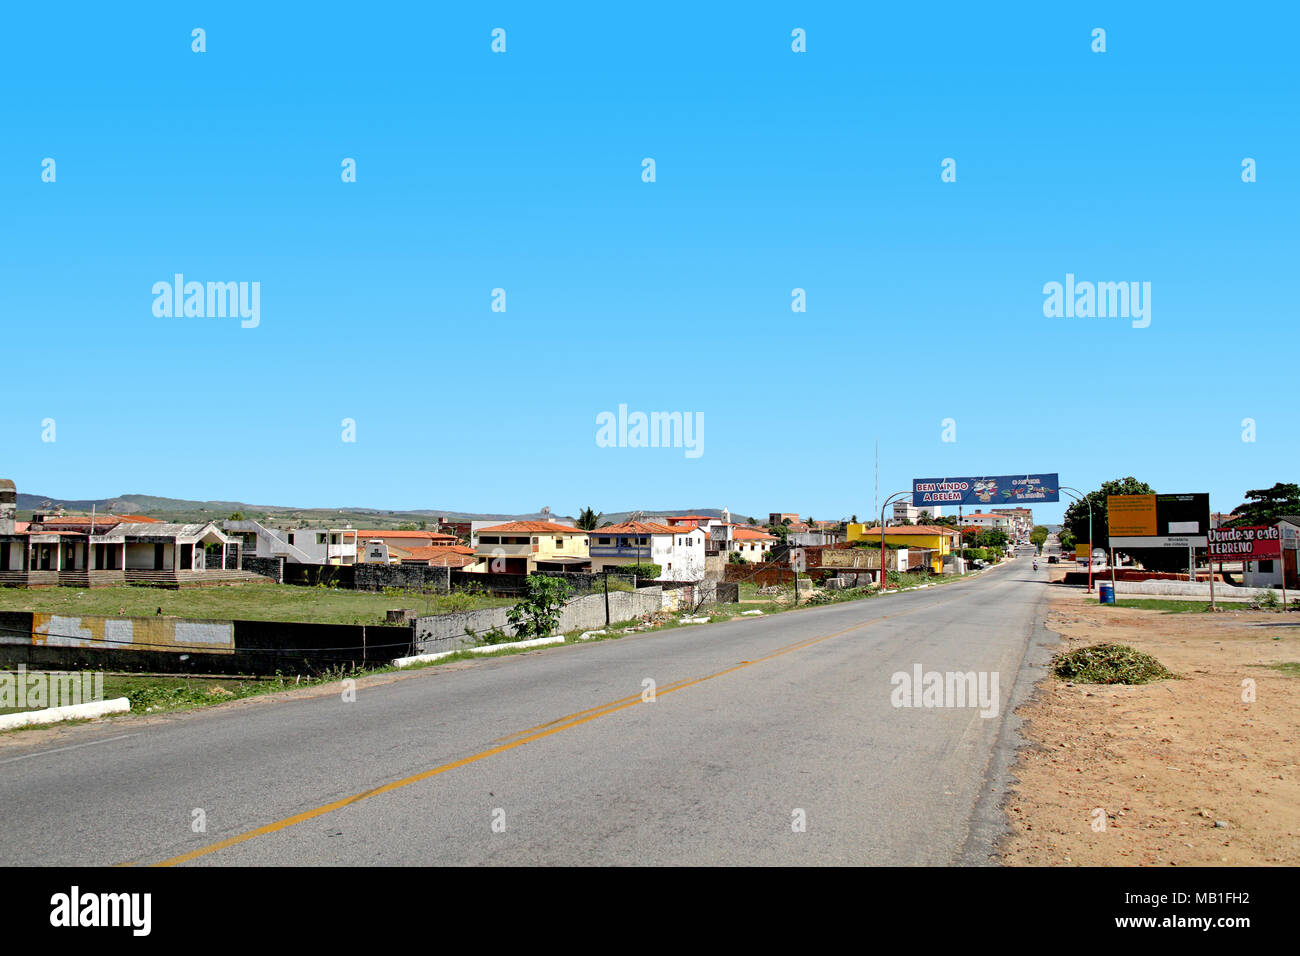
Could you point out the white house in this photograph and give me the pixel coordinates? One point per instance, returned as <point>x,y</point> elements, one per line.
<point>981,519</point>
<point>677,549</point>
<point>751,544</point>
<point>917,515</point>
<point>297,545</point>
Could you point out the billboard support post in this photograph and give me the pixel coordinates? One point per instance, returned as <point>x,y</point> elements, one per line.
<point>1084,498</point>
<point>1210,561</point>
<point>884,580</point>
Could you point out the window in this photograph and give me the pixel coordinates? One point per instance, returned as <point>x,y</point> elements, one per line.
<point>559,543</point>
<point>291,537</point>
<point>1265,567</point>
<point>320,538</point>
<point>602,540</point>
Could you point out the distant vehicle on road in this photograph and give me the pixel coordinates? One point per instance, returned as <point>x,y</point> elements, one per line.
<point>1052,559</point>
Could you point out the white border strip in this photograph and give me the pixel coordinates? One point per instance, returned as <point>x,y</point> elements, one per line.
<point>52,715</point>
<point>485,649</point>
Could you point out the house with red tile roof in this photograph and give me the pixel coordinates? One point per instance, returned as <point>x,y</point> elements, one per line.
<point>522,547</point>
<point>751,544</point>
<point>437,555</point>
<point>677,549</point>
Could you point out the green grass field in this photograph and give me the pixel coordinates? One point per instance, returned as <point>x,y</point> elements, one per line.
<point>247,602</point>
<point>1169,607</point>
<point>1173,606</point>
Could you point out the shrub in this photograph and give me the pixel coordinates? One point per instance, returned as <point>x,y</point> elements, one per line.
<point>1109,664</point>
<point>650,572</point>
<point>538,613</point>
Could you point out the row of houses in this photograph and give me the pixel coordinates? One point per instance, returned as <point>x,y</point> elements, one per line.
<point>680,545</point>
<point>348,546</point>
<point>103,550</point>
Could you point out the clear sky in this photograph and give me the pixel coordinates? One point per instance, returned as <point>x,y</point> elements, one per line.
<point>522,171</point>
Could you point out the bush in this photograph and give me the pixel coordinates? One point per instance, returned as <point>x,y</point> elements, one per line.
<point>1109,664</point>
<point>492,636</point>
<point>650,572</point>
<point>538,614</point>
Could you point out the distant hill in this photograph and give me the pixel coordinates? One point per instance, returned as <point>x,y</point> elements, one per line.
<point>182,509</point>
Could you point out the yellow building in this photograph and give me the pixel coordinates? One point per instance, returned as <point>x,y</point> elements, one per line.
<point>941,541</point>
<point>522,547</point>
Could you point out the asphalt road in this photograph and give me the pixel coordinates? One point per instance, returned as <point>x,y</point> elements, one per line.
<point>554,758</point>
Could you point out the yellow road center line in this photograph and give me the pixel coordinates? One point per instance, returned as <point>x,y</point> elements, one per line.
<point>585,717</point>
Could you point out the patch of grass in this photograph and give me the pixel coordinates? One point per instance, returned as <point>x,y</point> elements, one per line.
<point>1109,664</point>
<point>258,601</point>
<point>1289,668</point>
<point>1169,607</point>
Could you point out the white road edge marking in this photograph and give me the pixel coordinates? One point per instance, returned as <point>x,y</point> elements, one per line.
<point>89,743</point>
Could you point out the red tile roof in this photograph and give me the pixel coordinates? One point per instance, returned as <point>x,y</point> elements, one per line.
<point>425,535</point>
<point>100,521</point>
<point>531,527</point>
<point>642,528</point>
<point>749,534</point>
<point>452,555</point>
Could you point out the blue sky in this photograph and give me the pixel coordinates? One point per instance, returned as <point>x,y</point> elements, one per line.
<point>522,171</point>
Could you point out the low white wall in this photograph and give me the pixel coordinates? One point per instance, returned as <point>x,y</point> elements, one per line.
<point>1189,589</point>
<point>52,715</point>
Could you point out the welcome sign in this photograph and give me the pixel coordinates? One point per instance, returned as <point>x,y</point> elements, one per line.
<point>994,490</point>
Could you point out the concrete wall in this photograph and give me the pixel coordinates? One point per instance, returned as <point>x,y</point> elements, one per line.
<point>1187,589</point>
<point>376,577</point>
<point>272,568</point>
<point>446,632</point>
<point>172,645</point>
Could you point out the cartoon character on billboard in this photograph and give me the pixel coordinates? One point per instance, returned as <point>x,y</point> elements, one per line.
<point>985,490</point>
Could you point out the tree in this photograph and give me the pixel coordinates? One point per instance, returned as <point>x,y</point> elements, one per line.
<point>903,521</point>
<point>735,557</point>
<point>1267,505</point>
<point>237,516</point>
<point>990,538</point>
<point>1037,536</point>
<point>1076,523</point>
<point>538,613</point>
<point>1076,516</point>
<point>588,520</point>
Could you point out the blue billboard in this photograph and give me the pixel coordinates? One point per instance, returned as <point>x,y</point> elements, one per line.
<point>996,490</point>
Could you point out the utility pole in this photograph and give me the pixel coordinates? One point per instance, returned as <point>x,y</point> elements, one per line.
<point>884,581</point>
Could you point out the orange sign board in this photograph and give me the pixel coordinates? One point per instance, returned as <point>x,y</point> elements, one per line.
<point>1081,552</point>
<point>1131,516</point>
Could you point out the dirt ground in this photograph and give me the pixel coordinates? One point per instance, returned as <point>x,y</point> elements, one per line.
<point>1186,772</point>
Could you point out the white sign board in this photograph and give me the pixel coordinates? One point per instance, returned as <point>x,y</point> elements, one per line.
<point>1162,541</point>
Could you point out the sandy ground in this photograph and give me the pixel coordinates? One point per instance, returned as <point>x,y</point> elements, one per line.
<point>1186,772</point>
